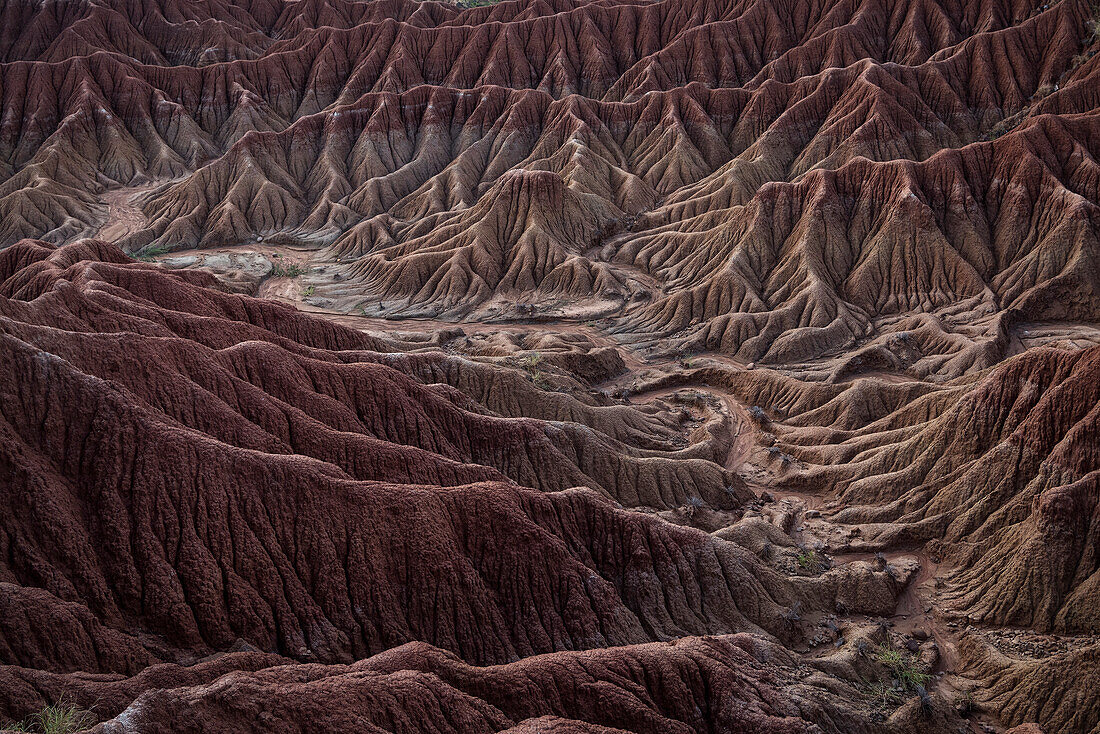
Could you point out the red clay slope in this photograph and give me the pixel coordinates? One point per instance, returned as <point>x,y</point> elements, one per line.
<point>189,471</point>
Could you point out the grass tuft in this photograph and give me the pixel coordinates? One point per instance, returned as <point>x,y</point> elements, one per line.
<point>59,718</point>
<point>809,560</point>
<point>904,667</point>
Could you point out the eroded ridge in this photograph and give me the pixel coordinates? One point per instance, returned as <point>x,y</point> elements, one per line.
<point>778,181</point>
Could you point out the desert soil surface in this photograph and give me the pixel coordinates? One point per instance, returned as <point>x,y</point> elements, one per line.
<point>559,366</point>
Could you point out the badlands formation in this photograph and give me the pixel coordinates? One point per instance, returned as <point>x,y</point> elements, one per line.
<point>686,366</point>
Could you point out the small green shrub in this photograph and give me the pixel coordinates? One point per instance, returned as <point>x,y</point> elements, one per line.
<point>806,559</point>
<point>292,270</point>
<point>904,667</point>
<point>809,560</point>
<point>530,364</point>
<point>539,379</point>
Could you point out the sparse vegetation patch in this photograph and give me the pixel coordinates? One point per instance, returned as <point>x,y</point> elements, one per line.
<point>59,718</point>
<point>150,253</point>
<point>289,270</point>
<point>904,668</point>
